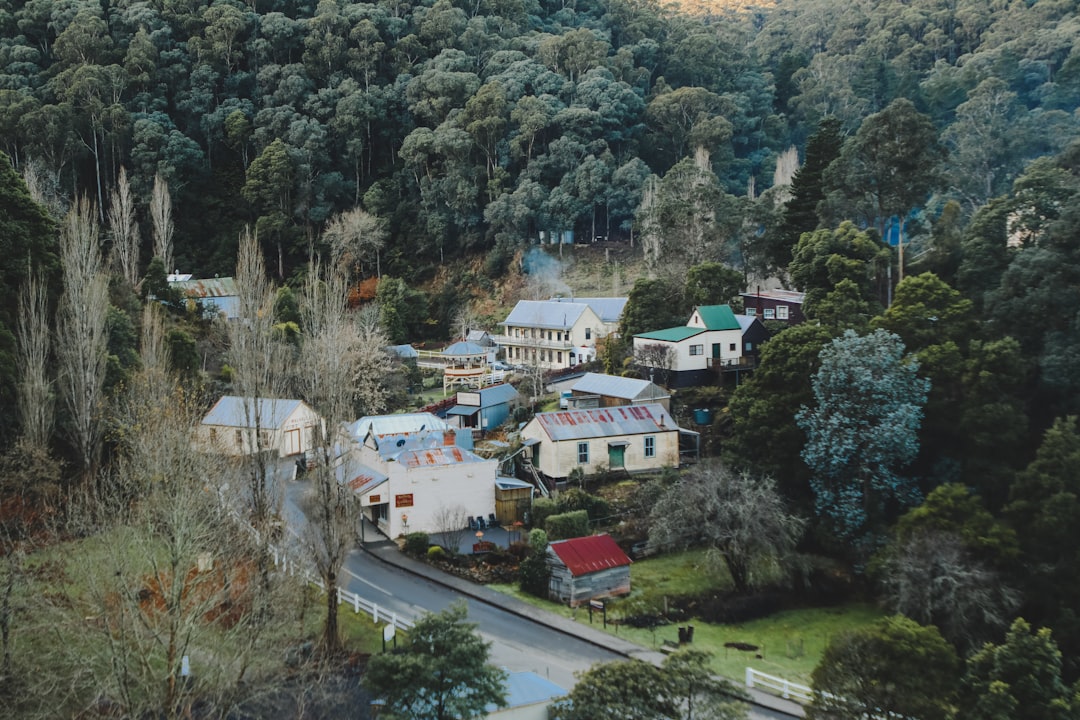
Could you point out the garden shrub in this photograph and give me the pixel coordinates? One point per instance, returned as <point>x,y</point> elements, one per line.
<point>568,525</point>
<point>416,544</point>
<point>435,553</point>
<point>576,499</point>
<point>542,509</point>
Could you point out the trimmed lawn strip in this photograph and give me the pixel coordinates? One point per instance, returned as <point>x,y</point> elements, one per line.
<point>790,643</point>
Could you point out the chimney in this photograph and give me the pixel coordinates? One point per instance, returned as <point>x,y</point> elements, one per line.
<point>449,438</point>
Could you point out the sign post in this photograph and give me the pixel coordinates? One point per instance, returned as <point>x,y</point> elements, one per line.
<point>597,605</point>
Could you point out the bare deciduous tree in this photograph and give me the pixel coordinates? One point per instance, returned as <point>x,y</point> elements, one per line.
<point>373,365</point>
<point>452,523</point>
<point>656,361</point>
<point>933,579</point>
<point>326,368</point>
<point>82,334</point>
<point>125,230</point>
<point>35,391</point>
<point>740,518</point>
<point>355,236</point>
<point>161,217</point>
<point>258,361</point>
<point>175,587</point>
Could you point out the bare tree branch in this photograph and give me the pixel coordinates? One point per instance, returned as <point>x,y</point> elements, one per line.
<point>82,336</point>
<point>35,388</point>
<point>125,230</point>
<point>161,216</point>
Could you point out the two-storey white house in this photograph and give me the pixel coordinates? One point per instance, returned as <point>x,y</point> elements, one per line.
<point>558,333</point>
<point>713,340</point>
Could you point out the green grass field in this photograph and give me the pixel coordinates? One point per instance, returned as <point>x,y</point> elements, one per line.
<point>790,643</point>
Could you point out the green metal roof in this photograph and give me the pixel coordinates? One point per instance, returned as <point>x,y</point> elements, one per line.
<point>718,317</point>
<point>673,334</point>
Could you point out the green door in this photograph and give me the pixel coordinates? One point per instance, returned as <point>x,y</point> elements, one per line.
<point>716,350</point>
<point>616,456</point>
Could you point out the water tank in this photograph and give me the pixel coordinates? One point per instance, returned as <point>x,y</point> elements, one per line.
<point>703,416</point>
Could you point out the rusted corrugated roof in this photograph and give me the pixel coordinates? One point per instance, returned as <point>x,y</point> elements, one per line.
<point>589,554</point>
<point>606,422</point>
<point>442,455</point>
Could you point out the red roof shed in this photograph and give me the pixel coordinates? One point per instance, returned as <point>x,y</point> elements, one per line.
<point>586,568</point>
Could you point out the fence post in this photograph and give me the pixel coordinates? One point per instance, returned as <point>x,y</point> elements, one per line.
<point>339,600</point>
<point>749,677</point>
<point>393,620</point>
<point>786,692</point>
<point>375,613</point>
<point>356,603</point>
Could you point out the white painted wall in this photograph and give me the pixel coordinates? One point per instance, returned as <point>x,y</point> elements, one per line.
<point>558,459</point>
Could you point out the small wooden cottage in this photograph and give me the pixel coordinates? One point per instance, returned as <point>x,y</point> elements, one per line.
<point>587,568</point>
<point>287,427</point>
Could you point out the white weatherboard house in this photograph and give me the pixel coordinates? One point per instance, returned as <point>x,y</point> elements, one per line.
<point>634,438</point>
<point>558,333</point>
<point>287,427</point>
<point>413,473</point>
<point>712,341</point>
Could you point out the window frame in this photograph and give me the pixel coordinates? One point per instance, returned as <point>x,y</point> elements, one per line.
<point>650,446</point>
<point>583,453</point>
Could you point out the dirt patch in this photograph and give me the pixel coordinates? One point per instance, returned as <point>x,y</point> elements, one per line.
<point>745,647</point>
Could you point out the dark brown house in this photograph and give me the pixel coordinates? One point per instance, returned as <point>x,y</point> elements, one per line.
<point>587,568</point>
<point>783,305</point>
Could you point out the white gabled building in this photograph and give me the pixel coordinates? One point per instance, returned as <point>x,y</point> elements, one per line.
<point>287,427</point>
<point>558,333</point>
<point>634,438</point>
<point>714,340</point>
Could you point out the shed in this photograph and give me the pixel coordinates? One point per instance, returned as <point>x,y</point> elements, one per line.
<point>513,500</point>
<point>284,426</point>
<point>613,390</point>
<point>218,296</point>
<point>587,568</point>
<point>485,408</point>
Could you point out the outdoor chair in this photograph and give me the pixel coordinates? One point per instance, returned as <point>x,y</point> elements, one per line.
<point>480,522</point>
<point>472,523</point>
<point>492,521</point>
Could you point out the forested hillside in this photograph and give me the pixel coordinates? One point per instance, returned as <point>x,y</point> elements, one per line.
<point>913,166</point>
<point>475,125</point>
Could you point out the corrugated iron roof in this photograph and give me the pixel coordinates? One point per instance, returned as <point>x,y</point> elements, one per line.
<point>443,455</point>
<point>207,287</point>
<point>618,387</point>
<point>400,424</point>
<point>717,317</point>
<point>608,309</point>
<point>464,348</point>
<point>359,478</point>
<point>606,422</point>
<point>589,554</point>
<point>674,334</point>
<point>233,411</point>
<point>545,314</point>
<point>791,296</point>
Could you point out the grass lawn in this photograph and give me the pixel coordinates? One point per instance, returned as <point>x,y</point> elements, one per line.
<point>790,642</point>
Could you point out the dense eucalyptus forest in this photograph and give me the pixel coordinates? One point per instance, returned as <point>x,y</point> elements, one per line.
<point>913,166</point>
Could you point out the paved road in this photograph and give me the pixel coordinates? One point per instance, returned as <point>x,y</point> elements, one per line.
<point>517,643</point>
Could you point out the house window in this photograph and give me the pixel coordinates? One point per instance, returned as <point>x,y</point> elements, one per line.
<point>558,336</point>
<point>697,349</point>
<point>583,453</point>
<point>549,334</point>
<point>749,347</point>
<point>781,312</point>
<point>588,333</point>
<point>731,347</point>
<point>650,446</point>
<point>770,313</point>
<point>751,311</point>
<point>239,439</point>
<point>560,355</point>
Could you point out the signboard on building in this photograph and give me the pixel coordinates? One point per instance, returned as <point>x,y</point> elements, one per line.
<point>403,500</point>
